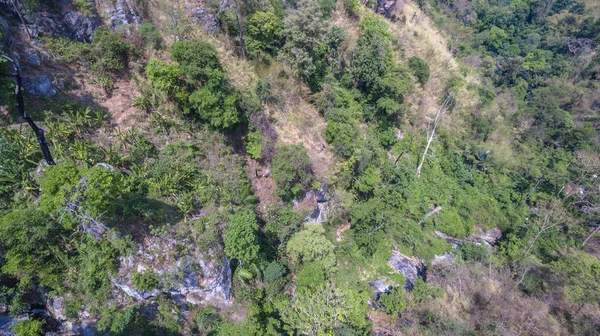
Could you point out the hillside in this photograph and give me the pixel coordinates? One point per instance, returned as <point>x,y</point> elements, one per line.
<point>314,167</point>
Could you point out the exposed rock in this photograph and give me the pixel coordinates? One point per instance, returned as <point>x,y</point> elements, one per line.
<point>194,276</point>
<point>6,323</point>
<point>444,258</point>
<point>451,240</point>
<point>32,57</point>
<point>120,12</point>
<point>49,22</point>
<point>388,8</point>
<point>490,236</point>
<point>56,309</point>
<point>380,287</point>
<point>39,86</point>
<point>206,20</point>
<point>410,267</point>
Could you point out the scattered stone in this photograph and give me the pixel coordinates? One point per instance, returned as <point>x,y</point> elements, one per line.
<point>444,258</point>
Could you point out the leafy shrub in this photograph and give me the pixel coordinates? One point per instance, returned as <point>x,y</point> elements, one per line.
<point>86,7</point>
<point>422,292</point>
<point>33,327</point>
<point>25,237</point>
<point>419,68</point>
<point>292,171</point>
<point>472,252</point>
<point>67,50</point>
<point>240,236</point>
<point>393,302</point>
<point>311,275</point>
<point>274,271</point>
<point>327,7</point>
<point>311,245</point>
<point>109,51</point>
<point>254,146</point>
<point>263,33</point>
<point>151,35</point>
<point>352,6</point>
<point>145,281</point>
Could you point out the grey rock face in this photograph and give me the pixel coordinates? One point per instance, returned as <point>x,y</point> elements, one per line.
<point>120,12</point>
<point>206,20</point>
<point>55,308</point>
<point>196,277</point>
<point>410,267</point>
<point>39,86</point>
<point>32,57</point>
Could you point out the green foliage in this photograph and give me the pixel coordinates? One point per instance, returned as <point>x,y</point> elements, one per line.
<point>151,35</point>
<point>342,131</point>
<point>473,252</point>
<point>85,7</point>
<point>164,77</point>
<point>419,69</point>
<point>306,47</point>
<point>109,52</point>
<point>254,144</point>
<point>374,70</point>
<point>273,272</point>
<point>17,157</point>
<point>240,236</point>
<point>319,309</point>
<point>145,281</point>
<point>421,292</point>
<point>292,171</point>
<point>29,239</point>
<point>393,302</point>
<point>208,95</point>
<point>67,50</point>
<point>581,274</point>
<point>311,245</point>
<point>263,33</point>
<point>311,275</point>
<point>33,327</point>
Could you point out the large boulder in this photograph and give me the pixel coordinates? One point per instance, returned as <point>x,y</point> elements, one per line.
<point>39,86</point>
<point>410,267</point>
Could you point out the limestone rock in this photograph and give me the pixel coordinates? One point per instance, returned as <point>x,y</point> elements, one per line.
<point>119,13</point>
<point>410,267</point>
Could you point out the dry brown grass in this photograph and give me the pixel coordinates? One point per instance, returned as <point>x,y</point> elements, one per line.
<point>419,37</point>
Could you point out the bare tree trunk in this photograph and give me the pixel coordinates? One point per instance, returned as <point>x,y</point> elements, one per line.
<point>430,135</point>
<point>240,28</point>
<point>39,133</point>
<point>596,230</point>
<point>21,18</point>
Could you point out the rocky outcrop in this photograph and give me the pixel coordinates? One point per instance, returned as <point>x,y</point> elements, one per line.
<point>193,277</point>
<point>488,238</point>
<point>201,16</point>
<point>49,22</point>
<point>119,13</point>
<point>388,8</point>
<point>39,86</point>
<point>410,267</point>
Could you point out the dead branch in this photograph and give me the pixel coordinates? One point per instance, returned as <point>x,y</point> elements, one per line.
<point>431,133</point>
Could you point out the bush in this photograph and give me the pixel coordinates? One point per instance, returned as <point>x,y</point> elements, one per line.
<point>419,68</point>
<point>292,171</point>
<point>29,328</point>
<point>254,145</point>
<point>263,33</point>
<point>109,51</point>
<point>151,35</point>
<point>274,271</point>
<point>472,252</point>
<point>393,302</point>
<point>145,281</point>
<point>311,275</point>
<point>240,236</point>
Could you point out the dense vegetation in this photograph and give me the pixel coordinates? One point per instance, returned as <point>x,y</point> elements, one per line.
<point>514,150</point>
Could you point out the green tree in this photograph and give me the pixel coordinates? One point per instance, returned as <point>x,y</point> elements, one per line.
<point>311,245</point>
<point>393,302</point>
<point>240,236</point>
<point>263,33</point>
<point>419,68</point>
<point>30,240</point>
<point>305,36</point>
<point>581,276</point>
<point>292,171</point>
<point>316,310</point>
<point>33,327</point>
